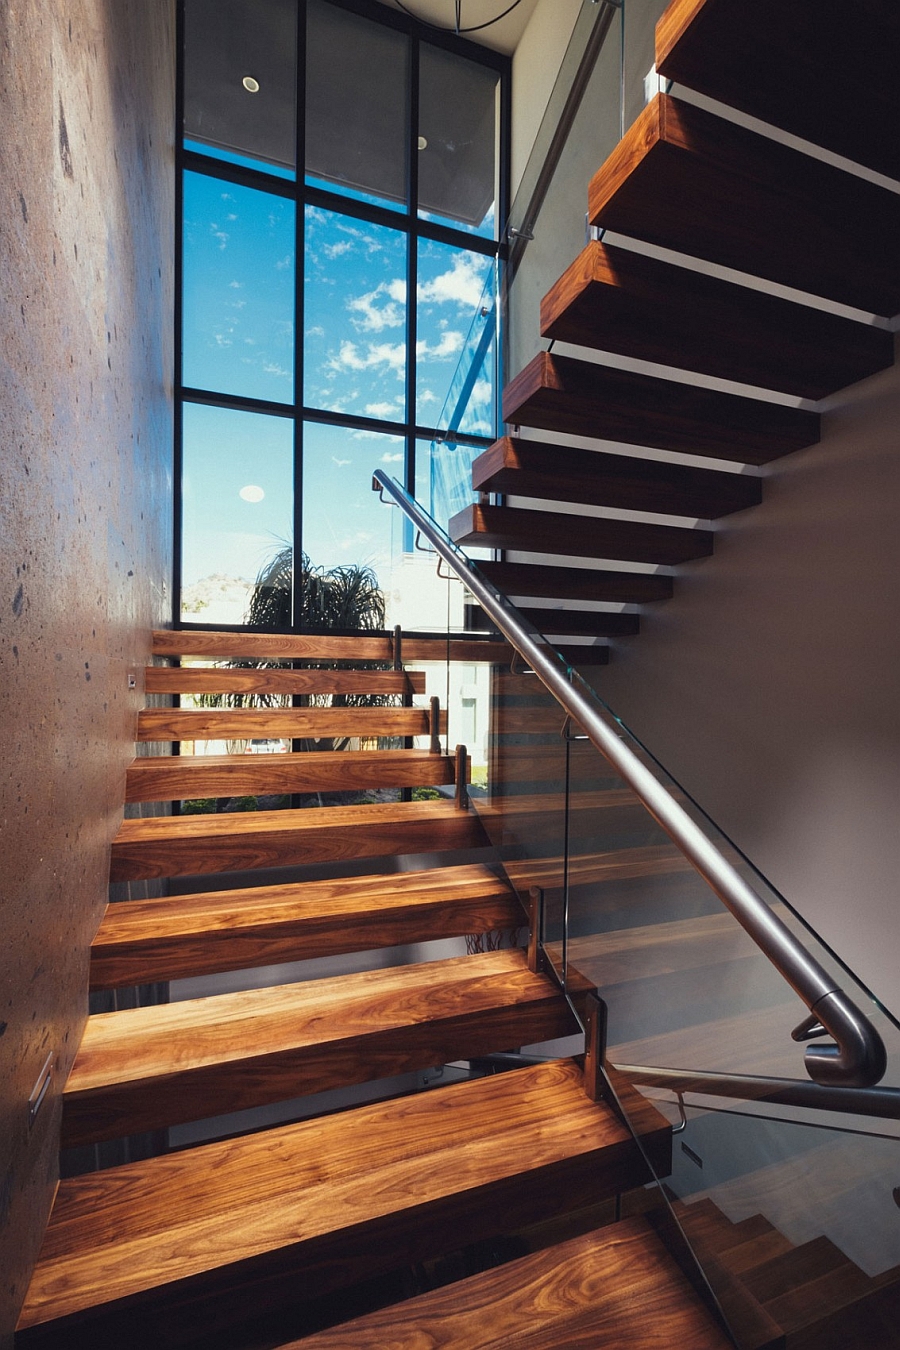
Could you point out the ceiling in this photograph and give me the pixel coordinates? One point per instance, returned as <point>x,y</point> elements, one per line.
<point>502,36</point>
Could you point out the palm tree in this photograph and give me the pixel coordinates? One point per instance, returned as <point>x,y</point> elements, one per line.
<point>328,599</point>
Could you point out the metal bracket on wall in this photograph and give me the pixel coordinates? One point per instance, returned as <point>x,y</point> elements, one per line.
<point>39,1091</point>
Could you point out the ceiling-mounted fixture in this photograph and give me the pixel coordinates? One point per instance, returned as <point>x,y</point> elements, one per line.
<point>457,26</point>
<point>251,85</point>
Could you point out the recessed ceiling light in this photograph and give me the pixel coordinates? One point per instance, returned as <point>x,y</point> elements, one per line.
<point>423,144</point>
<point>251,85</point>
<point>251,493</point>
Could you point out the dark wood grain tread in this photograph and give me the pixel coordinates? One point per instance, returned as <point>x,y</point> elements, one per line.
<point>693,182</point>
<point>179,777</point>
<point>211,724</point>
<point>142,941</point>
<point>326,1202</point>
<point>147,1068</point>
<point>612,1288</point>
<point>576,583</point>
<point>583,398</point>
<point>567,622</point>
<point>617,300</point>
<point>309,647</point>
<point>184,845</point>
<point>272,681</point>
<point>578,536</point>
<point>773,60</point>
<point>595,478</point>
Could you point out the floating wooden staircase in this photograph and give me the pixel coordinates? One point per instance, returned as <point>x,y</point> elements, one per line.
<point>271,1233</point>
<point>690,182</point>
<point>184,1247</point>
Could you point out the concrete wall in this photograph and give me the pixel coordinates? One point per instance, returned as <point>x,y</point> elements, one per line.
<point>86,231</point>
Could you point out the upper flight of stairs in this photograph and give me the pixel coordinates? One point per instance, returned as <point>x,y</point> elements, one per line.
<point>695,183</point>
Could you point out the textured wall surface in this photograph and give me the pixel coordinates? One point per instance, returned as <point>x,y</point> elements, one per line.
<point>86,162</point>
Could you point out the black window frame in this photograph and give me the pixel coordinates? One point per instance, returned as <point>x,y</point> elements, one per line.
<point>406,221</point>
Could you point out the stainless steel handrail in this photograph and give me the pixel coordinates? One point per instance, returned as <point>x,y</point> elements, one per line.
<point>857,1058</point>
<point>880,1102</point>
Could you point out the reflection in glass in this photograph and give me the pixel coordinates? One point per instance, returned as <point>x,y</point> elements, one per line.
<point>240,80</point>
<point>356,105</point>
<point>238,327</point>
<point>237,493</point>
<point>458,103</point>
<point>450,294</point>
<point>355,316</point>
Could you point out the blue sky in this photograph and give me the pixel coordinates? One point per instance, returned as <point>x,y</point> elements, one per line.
<point>239,276</point>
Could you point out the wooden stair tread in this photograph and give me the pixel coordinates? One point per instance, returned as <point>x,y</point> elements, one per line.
<point>614,1287</point>
<point>620,301</point>
<point>146,1068</point>
<point>180,777</point>
<point>210,724</point>
<point>774,61</point>
<point>596,478</point>
<point>338,1197</point>
<point>576,583</point>
<point>272,681</point>
<point>687,180</point>
<point>184,845</point>
<point>569,622</point>
<point>310,647</point>
<point>582,398</point>
<point>141,941</point>
<point>578,536</point>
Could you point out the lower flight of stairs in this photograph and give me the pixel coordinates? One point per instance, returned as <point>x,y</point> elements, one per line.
<point>202,1245</point>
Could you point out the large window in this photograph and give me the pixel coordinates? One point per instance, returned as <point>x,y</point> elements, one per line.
<point>338,303</point>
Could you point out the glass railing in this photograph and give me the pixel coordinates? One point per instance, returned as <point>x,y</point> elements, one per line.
<point>783,1173</point>
<point>600,89</point>
<point>470,410</point>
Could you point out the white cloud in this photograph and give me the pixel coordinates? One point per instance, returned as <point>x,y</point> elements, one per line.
<point>384,409</point>
<point>316,331</point>
<point>374,319</point>
<point>388,458</point>
<point>379,354</point>
<point>236,285</point>
<point>450,345</point>
<point>462,285</point>
<point>340,462</point>
<point>273,369</point>
<point>335,250</point>
<point>426,396</point>
<point>397,290</point>
<point>284,263</point>
<point>221,235</point>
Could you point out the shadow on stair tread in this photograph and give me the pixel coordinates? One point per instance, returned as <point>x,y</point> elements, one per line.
<point>182,777</point>
<point>613,1287</point>
<point>146,1068</point>
<point>618,300</point>
<point>774,61</point>
<point>312,1206</point>
<point>584,398</point>
<point>688,180</point>
<point>191,845</point>
<point>171,938</point>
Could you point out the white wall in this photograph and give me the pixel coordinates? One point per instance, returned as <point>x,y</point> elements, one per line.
<point>769,684</point>
<point>535,66</point>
